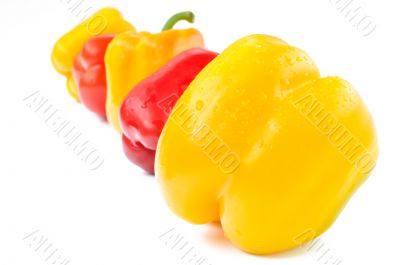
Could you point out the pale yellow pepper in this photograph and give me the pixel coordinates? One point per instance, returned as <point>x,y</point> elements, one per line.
<point>104,21</point>
<point>263,144</point>
<point>131,57</point>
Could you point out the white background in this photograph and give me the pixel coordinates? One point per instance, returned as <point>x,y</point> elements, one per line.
<point>115,215</point>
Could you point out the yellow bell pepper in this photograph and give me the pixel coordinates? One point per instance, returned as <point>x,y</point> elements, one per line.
<point>131,57</point>
<point>104,21</point>
<point>263,144</point>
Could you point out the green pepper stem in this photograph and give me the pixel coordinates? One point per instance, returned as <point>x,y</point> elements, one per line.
<point>186,15</point>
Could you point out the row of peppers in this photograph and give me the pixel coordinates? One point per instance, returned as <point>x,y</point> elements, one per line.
<point>252,138</point>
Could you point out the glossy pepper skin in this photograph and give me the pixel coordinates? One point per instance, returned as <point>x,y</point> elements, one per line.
<point>147,107</point>
<point>131,57</point>
<point>89,73</point>
<point>263,144</point>
<point>103,22</point>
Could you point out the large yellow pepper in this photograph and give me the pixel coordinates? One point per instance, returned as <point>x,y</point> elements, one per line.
<point>263,144</point>
<point>104,21</point>
<point>131,57</point>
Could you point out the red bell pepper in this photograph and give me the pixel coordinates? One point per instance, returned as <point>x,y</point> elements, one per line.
<point>143,118</point>
<point>90,74</point>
